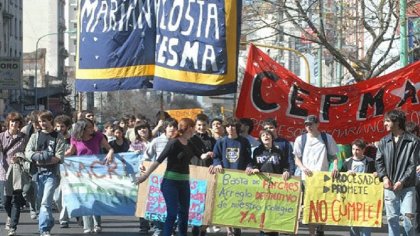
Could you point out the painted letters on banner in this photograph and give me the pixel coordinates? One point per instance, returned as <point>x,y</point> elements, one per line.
<point>256,201</point>
<point>90,187</point>
<point>156,207</point>
<point>184,46</point>
<point>346,112</point>
<point>350,200</point>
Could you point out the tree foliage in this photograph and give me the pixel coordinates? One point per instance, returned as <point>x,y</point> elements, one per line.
<point>370,27</point>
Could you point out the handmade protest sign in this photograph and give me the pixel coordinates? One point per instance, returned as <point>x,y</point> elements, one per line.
<point>90,187</point>
<point>260,201</point>
<point>151,204</point>
<point>156,207</point>
<point>351,200</point>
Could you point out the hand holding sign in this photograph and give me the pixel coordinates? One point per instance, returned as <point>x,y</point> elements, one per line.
<point>141,179</point>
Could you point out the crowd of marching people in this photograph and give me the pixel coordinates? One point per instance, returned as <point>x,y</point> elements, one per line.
<point>33,148</point>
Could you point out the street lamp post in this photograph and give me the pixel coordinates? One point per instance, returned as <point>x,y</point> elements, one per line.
<point>36,68</point>
<point>36,62</point>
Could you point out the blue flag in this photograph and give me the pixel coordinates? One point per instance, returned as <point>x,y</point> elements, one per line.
<point>182,46</point>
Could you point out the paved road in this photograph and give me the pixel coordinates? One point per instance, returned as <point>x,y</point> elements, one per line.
<point>122,226</point>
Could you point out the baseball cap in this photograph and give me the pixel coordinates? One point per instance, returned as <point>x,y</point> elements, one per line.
<point>311,119</point>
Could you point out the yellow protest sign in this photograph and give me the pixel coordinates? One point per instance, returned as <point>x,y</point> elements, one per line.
<point>185,113</point>
<point>351,200</point>
<point>260,201</point>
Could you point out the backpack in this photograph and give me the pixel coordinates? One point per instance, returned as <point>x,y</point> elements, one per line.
<point>324,139</point>
<point>329,157</point>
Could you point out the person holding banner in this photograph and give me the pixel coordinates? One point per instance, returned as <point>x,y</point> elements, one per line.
<point>396,161</point>
<point>232,152</point>
<point>312,151</point>
<point>281,143</point>
<point>143,135</point>
<point>175,186</point>
<point>203,144</point>
<point>359,163</point>
<point>86,141</point>
<point>270,159</point>
<point>153,151</point>
<point>46,149</point>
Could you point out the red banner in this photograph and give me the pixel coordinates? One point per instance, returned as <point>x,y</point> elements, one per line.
<point>346,112</point>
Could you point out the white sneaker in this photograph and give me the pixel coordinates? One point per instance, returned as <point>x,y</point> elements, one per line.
<point>46,233</point>
<point>87,231</point>
<point>216,229</point>
<point>12,232</point>
<point>97,229</point>
<point>7,225</point>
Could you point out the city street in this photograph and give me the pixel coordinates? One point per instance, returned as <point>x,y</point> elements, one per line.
<point>121,226</point>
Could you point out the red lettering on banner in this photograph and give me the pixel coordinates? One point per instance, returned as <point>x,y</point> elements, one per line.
<point>252,217</point>
<point>92,167</point>
<point>111,169</point>
<point>193,185</point>
<point>156,180</point>
<point>262,220</point>
<point>281,185</point>
<point>313,209</point>
<point>354,211</point>
<point>333,210</point>
<point>195,216</point>
<point>199,197</point>
<point>153,189</point>
<point>82,167</point>
<point>378,211</point>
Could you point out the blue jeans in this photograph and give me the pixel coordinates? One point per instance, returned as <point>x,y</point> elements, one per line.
<point>47,183</point>
<point>177,199</point>
<point>402,203</point>
<point>89,222</point>
<point>360,231</point>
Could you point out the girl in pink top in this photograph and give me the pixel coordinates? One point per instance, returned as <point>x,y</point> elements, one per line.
<point>86,141</point>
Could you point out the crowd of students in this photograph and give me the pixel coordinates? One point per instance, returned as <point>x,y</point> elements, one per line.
<point>32,150</point>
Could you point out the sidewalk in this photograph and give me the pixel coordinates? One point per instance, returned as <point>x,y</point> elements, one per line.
<point>128,226</point>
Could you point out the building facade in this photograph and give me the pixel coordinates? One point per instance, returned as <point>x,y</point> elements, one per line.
<point>10,55</point>
<point>43,32</point>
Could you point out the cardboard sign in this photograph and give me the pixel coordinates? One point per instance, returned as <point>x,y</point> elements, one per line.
<point>156,206</point>
<point>264,202</point>
<point>351,200</point>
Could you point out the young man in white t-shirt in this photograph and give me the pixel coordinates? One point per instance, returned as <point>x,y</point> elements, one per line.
<point>314,156</point>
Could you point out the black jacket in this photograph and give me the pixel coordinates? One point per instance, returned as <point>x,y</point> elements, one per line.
<point>398,162</point>
<point>270,160</point>
<point>202,143</point>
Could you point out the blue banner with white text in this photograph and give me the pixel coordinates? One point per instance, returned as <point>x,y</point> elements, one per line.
<point>181,46</point>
